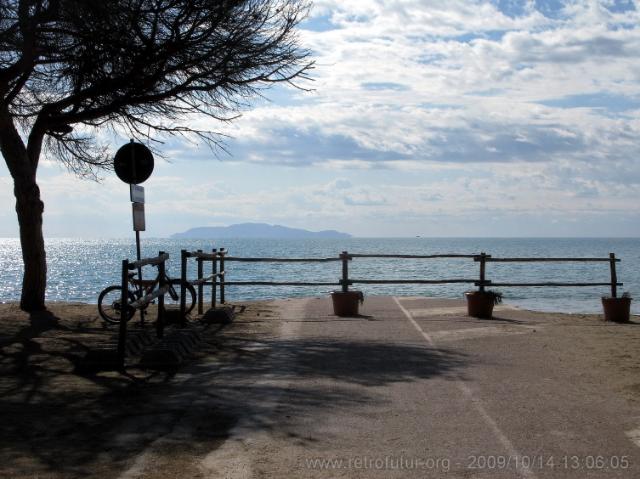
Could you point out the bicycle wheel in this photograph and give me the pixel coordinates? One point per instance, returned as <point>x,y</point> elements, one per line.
<point>109,304</point>
<point>171,303</point>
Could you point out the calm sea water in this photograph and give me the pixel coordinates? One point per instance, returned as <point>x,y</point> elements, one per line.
<point>80,269</point>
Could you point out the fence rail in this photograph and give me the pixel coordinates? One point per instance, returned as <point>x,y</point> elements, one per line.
<point>489,259</point>
<point>412,256</point>
<point>280,283</point>
<point>491,283</point>
<point>156,260</point>
<point>281,260</point>
<point>218,279</point>
<point>411,281</point>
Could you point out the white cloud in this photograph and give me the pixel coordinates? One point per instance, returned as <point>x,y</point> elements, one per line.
<point>486,105</point>
<point>415,81</point>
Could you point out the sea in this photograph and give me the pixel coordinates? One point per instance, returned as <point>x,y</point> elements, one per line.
<point>78,269</point>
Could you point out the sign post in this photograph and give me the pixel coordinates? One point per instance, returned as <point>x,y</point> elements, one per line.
<point>133,164</point>
<point>138,225</point>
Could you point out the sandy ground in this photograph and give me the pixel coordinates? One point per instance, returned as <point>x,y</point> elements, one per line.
<point>58,422</point>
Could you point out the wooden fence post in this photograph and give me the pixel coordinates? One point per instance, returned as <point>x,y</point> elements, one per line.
<point>214,272</point>
<point>614,276</point>
<point>183,285</point>
<point>345,271</point>
<point>161,284</point>
<point>124,307</point>
<point>200,285</point>
<point>222,278</point>
<point>483,258</point>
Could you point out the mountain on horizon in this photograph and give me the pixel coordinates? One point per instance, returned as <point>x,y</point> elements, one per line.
<point>256,230</point>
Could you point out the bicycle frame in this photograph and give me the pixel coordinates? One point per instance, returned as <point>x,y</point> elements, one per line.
<point>146,286</point>
<point>110,298</point>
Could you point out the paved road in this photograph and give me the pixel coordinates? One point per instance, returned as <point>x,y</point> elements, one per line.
<point>412,388</point>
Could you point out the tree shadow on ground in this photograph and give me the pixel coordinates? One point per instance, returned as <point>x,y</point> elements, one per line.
<point>39,323</point>
<point>368,363</point>
<point>59,424</point>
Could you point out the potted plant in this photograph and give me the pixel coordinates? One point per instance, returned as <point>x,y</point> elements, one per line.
<point>617,309</point>
<point>345,303</point>
<point>480,303</point>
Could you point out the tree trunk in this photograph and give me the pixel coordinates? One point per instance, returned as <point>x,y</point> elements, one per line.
<point>23,163</point>
<point>30,208</point>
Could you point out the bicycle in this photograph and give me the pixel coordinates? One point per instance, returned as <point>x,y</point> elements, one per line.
<point>109,301</point>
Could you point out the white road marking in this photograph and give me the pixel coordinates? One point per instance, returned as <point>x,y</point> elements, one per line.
<point>475,401</point>
<point>634,436</point>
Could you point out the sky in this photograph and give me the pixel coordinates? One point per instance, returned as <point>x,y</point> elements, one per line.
<point>430,118</point>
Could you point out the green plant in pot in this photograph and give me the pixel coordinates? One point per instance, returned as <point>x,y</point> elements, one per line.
<point>480,303</point>
<point>617,309</point>
<point>346,303</point>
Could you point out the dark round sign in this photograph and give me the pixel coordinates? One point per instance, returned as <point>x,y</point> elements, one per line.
<point>133,163</point>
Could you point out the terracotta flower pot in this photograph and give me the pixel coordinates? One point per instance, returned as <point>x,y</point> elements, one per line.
<point>616,309</point>
<point>346,303</point>
<point>480,304</point>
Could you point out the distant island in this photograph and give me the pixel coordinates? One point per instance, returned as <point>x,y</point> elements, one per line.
<point>256,230</point>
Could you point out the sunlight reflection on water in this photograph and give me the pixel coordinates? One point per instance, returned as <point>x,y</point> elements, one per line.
<point>79,269</point>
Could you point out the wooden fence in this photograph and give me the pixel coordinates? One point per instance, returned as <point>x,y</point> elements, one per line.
<point>145,296</point>
<point>221,257</point>
<point>612,260</point>
<point>216,258</point>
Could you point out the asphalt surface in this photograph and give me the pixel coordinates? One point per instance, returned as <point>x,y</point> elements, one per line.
<point>411,388</point>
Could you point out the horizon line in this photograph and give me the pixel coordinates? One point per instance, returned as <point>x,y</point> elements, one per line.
<point>328,238</point>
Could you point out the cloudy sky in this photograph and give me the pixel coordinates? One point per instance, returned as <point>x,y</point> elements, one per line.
<point>431,118</point>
